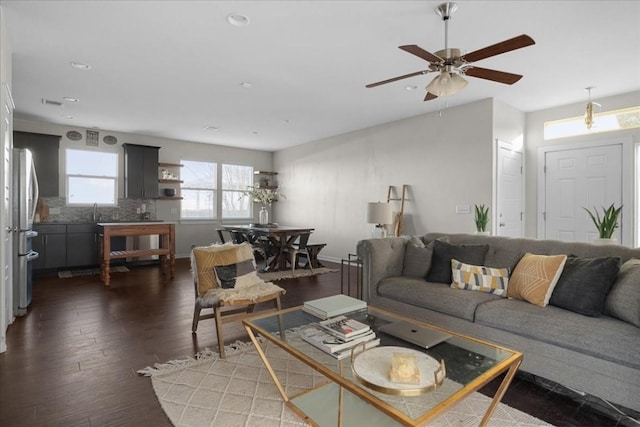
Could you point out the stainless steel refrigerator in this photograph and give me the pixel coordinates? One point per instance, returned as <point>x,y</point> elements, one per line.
<point>25,199</point>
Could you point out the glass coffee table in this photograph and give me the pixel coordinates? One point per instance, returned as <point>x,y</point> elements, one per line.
<point>344,399</point>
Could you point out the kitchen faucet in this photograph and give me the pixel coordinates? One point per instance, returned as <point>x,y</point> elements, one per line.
<point>95,212</point>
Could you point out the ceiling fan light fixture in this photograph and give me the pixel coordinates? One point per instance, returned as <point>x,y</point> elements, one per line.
<point>446,83</point>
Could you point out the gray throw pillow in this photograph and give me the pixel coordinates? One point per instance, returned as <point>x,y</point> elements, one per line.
<point>584,284</point>
<point>444,252</point>
<point>623,301</point>
<point>417,257</point>
<point>227,274</point>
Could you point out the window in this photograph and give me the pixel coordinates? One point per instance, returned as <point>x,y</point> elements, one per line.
<point>198,190</point>
<point>627,118</point>
<point>236,178</point>
<point>92,177</point>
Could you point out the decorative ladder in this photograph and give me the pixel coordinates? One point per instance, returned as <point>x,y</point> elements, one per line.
<point>392,195</point>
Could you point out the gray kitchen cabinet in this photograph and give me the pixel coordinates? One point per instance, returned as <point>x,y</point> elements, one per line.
<point>45,150</point>
<point>140,171</point>
<point>51,244</point>
<point>82,245</point>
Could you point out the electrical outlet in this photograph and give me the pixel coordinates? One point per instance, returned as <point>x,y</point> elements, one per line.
<point>463,209</point>
<point>138,210</point>
<point>54,211</point>
<point>143,207</point>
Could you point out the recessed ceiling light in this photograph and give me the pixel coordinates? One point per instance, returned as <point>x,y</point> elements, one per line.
<point>246,85</point>
<point>80,65</point>
<point>238,19</point>
<point>46,101</point>
<point>211,128</point>
<point>287,121</point>
<point>68,99</point>
<point>255,132</point>
<point>411,87</point>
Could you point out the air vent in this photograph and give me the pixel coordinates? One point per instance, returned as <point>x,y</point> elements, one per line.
<point>50,102</point>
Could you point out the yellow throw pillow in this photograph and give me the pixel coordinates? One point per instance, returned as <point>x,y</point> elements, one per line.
<point>479,278</point>
<point>535,277</point>
<point>206,258</point>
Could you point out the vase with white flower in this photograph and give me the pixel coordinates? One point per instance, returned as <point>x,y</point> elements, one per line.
<point>264,196</point>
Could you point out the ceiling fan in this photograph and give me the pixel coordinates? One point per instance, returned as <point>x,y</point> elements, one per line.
<point>451,64</point>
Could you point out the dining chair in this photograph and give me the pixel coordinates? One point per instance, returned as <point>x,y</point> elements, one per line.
<point>225,280</point>
<point>297,249</point>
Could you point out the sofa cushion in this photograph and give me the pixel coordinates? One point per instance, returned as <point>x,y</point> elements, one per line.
<point>584,284</point>
<point>535,277</point>
<point>623,301</point>
<point>479,278</point>
<point>444,252</point>
<point>603,337</point>
<point>417,258</point>
<point>433,296</point>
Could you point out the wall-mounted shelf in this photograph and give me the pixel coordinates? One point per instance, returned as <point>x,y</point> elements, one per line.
<point>170,181</point>
<point>170,176</point>
<point>264,173</point>
<point>169,165</point>
<point>169,198</point>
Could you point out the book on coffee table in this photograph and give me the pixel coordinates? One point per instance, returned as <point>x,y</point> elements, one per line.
<point>335,305</point>
<point>344,327</point>
<point>330,344</point>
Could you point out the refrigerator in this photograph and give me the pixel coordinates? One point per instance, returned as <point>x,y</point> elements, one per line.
<point>25,199</point>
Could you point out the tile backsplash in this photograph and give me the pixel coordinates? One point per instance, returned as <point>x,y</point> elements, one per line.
<point>127,210</point>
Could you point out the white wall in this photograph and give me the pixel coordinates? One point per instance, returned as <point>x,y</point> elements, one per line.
<point>446,159</point>
<point>534,139</point>
<point>171,151</point>
<point>6,293</point>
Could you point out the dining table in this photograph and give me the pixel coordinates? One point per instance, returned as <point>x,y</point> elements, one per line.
<point>279,236</point>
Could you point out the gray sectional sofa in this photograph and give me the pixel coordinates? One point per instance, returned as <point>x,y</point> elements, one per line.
<point>597,355</point>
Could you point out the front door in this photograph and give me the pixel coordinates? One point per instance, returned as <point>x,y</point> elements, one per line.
<point>577,178</point>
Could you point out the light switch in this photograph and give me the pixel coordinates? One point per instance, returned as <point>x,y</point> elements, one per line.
<point>54,211</point>
<point>463,209</point>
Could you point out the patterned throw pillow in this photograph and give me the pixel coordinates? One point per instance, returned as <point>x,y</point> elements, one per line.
<point>479,278</point>
<point>204,259</point>
<point>232,275</point>
<point>535,277</point>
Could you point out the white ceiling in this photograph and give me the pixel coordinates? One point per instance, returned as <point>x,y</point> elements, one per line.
<point>170,68</point>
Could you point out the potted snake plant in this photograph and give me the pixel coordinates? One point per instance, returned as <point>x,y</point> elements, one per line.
<point>481,219</point>
<point>605,224</point>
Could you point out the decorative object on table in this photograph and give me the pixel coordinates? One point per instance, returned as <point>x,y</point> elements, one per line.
<point>607,224</point>
<point>265,196</point>
<point>589,121</point>
<point>481,219</point>
<point>333,306</point>
<point>74,135</point>
<point>169,192</point>
<point>375,369</point>
<point>110,140</point>
<point>93,137</point>
<point>380,214</point>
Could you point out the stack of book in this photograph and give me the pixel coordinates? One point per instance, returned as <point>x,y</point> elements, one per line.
<point>325,308</point>
<point>337,336</point>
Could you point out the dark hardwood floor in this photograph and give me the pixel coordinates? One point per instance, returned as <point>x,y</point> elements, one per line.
<point>72,359</point>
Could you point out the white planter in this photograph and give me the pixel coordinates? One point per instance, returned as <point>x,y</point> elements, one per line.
<point>483,233</point>
<point>601,241</point>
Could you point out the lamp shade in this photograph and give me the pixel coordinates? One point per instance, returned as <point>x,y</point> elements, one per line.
<point>379,213</point>
<point>446,83</point>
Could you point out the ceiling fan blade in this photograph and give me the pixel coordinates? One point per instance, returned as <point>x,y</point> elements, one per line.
<point>498,48</point>
<point>493,75</point>
<point>421,53</point>
<point>430,96</point>
<point>417,73</point>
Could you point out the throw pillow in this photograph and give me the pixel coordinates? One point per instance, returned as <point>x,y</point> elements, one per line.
<point>535,277</point>
<point>417,257</point>
<point>623,301</point>
<point>584,284</point>
<point>204,258</point>
<point>227,275</point>
<point>479,278</point>
<point>444,252</point>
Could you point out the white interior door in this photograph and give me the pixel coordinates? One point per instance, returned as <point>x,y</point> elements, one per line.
<point>580,178</point>
<point>510,212</point>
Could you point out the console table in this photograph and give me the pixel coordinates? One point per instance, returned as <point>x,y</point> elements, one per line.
<point>166,251</point>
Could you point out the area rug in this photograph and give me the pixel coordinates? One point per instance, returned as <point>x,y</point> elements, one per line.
<point>287,274</point>
<point>237,391</point>
<point>64,274</point>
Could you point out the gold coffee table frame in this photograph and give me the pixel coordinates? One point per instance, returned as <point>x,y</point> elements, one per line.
<point>508,364</point>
